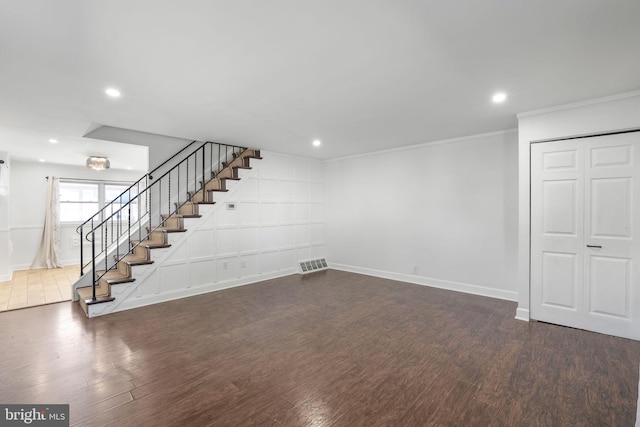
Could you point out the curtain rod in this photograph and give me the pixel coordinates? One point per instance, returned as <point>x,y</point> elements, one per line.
<point>91,180</point>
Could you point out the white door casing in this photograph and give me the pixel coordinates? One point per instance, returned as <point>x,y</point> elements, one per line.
<point>585,251</point>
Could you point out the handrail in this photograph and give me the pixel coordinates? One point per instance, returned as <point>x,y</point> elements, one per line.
<point>171,158</point>
<point>170,170</point>
<point>117,228</point>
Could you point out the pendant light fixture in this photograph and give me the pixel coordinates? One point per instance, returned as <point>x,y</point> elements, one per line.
<point>98,163</point>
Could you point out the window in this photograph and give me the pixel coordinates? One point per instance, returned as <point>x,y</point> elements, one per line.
<point>78,201</point>
<point>81,200</point>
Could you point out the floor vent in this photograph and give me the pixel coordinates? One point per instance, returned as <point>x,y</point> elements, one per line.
<point>313,265</point>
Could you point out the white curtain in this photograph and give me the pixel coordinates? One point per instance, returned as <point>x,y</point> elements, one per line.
<point>50,245</point>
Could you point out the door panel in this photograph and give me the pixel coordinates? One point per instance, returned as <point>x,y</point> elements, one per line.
<point>611,284</point>
<point>559,207</point>
<point>560,160</point>
<point>585,252</point>
<point>611,156</point>
<point>611,207</point>
<point>559,280</point>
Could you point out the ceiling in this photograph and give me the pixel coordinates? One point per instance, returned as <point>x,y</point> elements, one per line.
<point>360,75</point>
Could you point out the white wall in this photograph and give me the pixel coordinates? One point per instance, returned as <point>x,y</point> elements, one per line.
<point>5,194</point>
<point>447,209</point>
<point>620,112</point>
<point>28,204</point>
<point>278,220</point>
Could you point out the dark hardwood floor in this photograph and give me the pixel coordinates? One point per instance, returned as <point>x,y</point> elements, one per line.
<point>328,349</point>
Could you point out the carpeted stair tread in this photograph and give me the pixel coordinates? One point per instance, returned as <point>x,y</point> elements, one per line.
<point>99,299</point>
<point>251,153</point>
<point>87,292</point>
<point>188,209</point>
<point>254,155</point>
<point>216,184</point>
<point>151,244</point>
<point>133,259</point>
<point>198,197</point>
<point>195,204</point>
<point>86,296</point>
<point>156,237</point>
<point>113,277</point>
<point>170,230</point>
<point>180,215</point>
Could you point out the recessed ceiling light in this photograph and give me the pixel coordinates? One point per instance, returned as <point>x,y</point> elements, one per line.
<point>53,141</point>
<point>41,160</point>
<point>113,92</point>
<point>317,143</point>
<point>499,97</point>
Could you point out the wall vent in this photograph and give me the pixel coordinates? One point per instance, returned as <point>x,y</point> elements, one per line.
<point>313,265</point>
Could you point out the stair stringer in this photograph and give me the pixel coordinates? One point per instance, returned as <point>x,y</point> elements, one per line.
<point>127,295</point>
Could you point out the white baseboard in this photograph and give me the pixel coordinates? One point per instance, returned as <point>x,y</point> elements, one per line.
<point>434,283</point>
<point>6,277</point>
<point>20,267</point>
<point>70,261</point>
<point>522,314</point>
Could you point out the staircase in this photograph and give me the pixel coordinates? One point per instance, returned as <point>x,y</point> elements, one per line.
<point>126,231</point>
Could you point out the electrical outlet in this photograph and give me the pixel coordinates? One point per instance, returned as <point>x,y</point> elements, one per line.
<point>415,270</point>
<point>225,265</point>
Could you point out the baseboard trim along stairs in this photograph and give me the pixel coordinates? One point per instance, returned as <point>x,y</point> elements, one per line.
<point>140,253</point>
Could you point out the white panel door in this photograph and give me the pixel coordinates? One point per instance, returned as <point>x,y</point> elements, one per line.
<point>557,203</point>
<point>585,251</point>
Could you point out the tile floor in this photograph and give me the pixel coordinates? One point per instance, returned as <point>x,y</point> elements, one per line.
<point>29,288</point>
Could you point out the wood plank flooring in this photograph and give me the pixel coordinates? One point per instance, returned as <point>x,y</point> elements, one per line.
<point>327,349</point>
